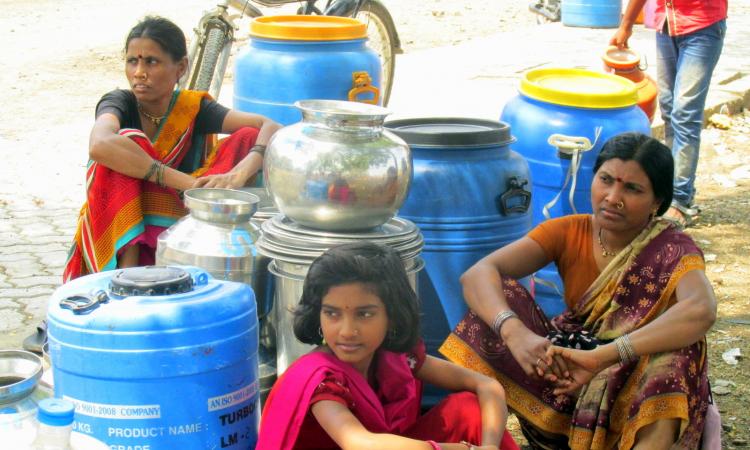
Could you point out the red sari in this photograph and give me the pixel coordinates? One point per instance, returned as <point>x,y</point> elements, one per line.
<point>392,407</point>
<point>121,211</point>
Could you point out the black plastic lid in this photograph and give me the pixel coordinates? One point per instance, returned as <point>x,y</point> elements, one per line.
<point>151,280</point>
<point>451,132</point>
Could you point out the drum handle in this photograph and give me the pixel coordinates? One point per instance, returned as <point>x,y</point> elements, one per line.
<point>570,147</point>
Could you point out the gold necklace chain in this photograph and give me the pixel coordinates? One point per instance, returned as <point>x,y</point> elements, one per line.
<point>156,120</point>
<point>605,253</point>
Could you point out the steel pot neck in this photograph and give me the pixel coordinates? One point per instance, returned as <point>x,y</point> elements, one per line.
<point>343,115</point>
<point>221,205</point>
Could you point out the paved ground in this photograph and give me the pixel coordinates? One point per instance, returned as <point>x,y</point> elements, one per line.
<point>41,188</point>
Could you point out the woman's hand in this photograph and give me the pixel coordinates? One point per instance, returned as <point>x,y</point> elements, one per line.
<point>582,366</point>
<point>530,352</point>
<point>228,180</point>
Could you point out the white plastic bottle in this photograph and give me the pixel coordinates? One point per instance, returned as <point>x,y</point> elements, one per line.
<point>55,417</point>
<point>55,430</point>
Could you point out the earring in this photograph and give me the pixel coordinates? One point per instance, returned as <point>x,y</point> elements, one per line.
<point>322,339</point>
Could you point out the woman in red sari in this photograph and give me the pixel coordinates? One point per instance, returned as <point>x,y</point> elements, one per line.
<point>151,142</point>
<point>361,387</point>
<point>625,366</point>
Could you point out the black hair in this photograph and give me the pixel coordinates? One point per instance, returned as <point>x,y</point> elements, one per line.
<point>380,269</point>
<point>162,31</point>
<point>654,158</point>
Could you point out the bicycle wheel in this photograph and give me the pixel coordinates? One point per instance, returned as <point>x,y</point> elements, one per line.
<point>215,41</point>
<point>381,34</point>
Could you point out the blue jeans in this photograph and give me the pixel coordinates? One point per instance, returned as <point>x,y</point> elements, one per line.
<point>684,67</point>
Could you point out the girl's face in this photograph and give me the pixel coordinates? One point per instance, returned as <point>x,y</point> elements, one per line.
<point>354,323</point>
<point>622,196</point>
<point>151,72</point>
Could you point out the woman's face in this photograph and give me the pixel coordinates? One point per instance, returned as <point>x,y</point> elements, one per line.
<point>622,196</point>
<point>151,72</point>
<point>354,323</point>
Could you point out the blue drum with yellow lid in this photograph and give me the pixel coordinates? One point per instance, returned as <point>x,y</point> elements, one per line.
<point>561,117</point>
<point>291,58</point>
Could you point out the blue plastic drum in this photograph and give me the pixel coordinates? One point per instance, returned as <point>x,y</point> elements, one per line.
<point>292,58</point>
<point>591,13</point>
<point>469,196</point>
<point>561,119</point>
<point>158,358</point>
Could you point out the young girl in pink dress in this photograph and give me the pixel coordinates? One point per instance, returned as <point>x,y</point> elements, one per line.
<point>361,388</point>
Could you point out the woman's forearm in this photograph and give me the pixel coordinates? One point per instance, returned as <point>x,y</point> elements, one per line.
<point>128,158</point>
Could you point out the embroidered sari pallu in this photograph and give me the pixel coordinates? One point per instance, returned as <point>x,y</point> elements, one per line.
<point>634,289</point>
<point>121,211</point>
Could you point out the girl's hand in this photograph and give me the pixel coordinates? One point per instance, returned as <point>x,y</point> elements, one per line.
<point>582,365</point>
<point>226,180</point>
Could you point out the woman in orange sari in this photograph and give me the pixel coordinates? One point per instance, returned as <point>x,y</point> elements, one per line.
<point>625,366</point>
<point>147,145</point>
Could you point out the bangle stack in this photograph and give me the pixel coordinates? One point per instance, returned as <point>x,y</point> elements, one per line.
<point>160,175</point>
<point>157,167</point>
<point>258,148</point>
<point>151,170</point>
<point>500,319</point>
<point>625,349</point>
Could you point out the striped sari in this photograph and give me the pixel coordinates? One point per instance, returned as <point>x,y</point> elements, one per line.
<point>633,290</point>
<point>121,211</point>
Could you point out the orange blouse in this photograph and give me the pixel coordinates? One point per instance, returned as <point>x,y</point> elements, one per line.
<point>567,241</point>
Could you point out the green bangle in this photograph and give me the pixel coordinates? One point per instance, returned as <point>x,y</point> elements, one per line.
<point>154,167</point>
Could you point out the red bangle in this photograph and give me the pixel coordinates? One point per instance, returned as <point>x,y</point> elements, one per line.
<point>434,445</point>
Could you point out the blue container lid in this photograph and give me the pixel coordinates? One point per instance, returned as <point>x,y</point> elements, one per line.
<point>56,412</point>
<point>451,132</point>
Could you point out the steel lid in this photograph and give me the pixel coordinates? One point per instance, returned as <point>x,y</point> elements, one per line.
<point>19,373</point>
<point>288,241</point>
<point>451,132</point>
<point>221,205</point>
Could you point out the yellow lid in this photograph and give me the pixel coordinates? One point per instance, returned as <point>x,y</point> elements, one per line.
<point>579,88</point>
<point>308,28</point>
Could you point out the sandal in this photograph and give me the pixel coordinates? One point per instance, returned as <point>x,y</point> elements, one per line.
<point>35,342</point>
<point>682,217</point>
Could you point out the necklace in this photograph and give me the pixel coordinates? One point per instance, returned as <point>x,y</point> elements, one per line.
<point>156,120</point>
<point>605,253</point>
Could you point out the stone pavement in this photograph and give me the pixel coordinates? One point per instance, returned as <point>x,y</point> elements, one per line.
<point>474,79</point>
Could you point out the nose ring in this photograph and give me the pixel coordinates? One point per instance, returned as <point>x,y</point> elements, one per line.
<point>620,205</point>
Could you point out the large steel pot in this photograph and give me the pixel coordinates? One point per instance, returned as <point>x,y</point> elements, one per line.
<point>293,249</point>
<point>338,169</point>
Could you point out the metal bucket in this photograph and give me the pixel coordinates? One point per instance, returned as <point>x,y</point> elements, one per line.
<point>293,248</point>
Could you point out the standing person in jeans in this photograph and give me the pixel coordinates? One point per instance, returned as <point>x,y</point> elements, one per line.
<point>689,39</point>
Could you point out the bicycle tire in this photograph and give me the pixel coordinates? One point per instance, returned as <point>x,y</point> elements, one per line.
<point>215,42</point>
<point>380,25</point>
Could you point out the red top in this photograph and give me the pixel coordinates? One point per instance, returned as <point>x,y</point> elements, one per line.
<point>686,16</point>
<point>335,388</point>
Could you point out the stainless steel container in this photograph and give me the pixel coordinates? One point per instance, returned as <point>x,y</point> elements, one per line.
<point>217,236</point>
<point>294,247</point>
<point>20,392</point>
<point>338,169</point>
